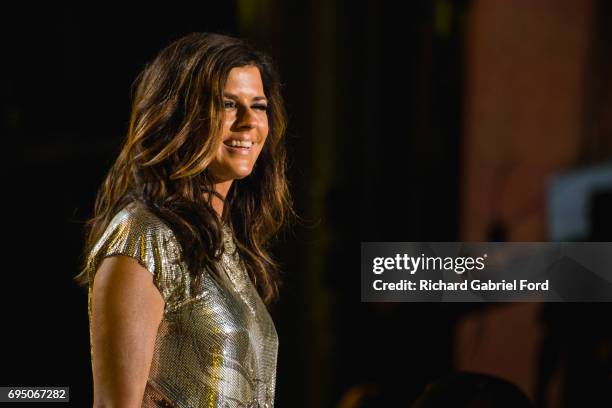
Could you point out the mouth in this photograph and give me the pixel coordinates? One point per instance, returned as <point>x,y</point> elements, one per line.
<point>239,146</point>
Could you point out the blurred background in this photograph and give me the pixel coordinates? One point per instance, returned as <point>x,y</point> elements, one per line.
<point>441,121</point>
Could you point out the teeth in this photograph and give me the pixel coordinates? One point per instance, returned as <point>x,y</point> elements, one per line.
<point>238,143</point>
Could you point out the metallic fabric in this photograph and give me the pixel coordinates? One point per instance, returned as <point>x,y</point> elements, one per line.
<point>214,348</point>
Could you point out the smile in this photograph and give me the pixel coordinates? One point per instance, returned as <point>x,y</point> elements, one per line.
<point>239,143</point>
<point>242,147</point>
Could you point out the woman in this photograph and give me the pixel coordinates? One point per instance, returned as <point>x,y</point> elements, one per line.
<point>177,244</point>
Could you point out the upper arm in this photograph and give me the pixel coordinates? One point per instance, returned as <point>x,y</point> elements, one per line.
<point>127,309</point>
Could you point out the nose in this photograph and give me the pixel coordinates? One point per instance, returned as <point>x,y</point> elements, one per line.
<point>246,118</point>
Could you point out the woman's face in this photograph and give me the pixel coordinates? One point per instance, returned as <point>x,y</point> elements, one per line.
<point>245,125</point>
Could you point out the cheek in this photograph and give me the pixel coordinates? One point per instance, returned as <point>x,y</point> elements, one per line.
<point>264,129</point>
<point>261,147</point>
<point>264,140</point>
<point>227,124</point>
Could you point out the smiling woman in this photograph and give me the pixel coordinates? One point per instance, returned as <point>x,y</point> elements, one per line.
<point>176,261</point>
<point>245,127</point>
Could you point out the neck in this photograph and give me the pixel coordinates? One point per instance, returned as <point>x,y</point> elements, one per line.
<point>222,189</point>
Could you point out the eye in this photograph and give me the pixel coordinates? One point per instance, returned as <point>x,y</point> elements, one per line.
<point>229,104</point>
<point>261,107</point>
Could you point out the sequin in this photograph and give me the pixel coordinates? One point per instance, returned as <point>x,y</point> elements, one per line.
<point>214,348</point>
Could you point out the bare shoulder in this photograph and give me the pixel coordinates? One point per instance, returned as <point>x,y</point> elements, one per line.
<point>124,280</point>
<point>127,309</point>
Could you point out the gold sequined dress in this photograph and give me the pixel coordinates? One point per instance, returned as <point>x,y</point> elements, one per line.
<point>215,348</point>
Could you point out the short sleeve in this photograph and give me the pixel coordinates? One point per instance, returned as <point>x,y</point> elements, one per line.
<point>136,232</point>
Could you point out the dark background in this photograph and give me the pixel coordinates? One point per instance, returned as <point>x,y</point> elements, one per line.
<point>378,101</point>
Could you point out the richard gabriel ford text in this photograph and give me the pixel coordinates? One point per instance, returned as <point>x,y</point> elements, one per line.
<point>472,285</point>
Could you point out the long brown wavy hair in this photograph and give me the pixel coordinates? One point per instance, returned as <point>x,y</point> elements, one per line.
<point>174,131</point>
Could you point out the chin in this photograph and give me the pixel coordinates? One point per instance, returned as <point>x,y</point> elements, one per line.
<point>238,174</point>
<point>232,170</point>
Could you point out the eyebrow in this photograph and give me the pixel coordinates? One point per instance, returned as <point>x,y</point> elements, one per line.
<point>257,98</point>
